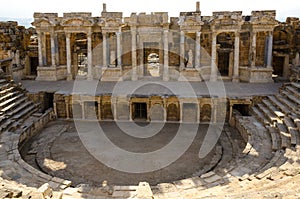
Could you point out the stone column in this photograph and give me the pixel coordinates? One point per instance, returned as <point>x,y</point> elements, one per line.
<point>40,48</point>
<point>82,109</point>
<point>166,56</point>
<point>53,47</point>
<point>181,111</point>
<point>119,50</point>
<point>89,56</point>
<point>197,50</point>
<point>236,57</point>
<point>141,57</point>
<point>133,55</point>
<point>104,46</point>
<point>99,107</point>
<point>253,49</point>
<point>270,46</point>
<point>67,107</point>
<point>297,59</point>
<point>69,61</point>
<point>213,73</point>
<point>56,49</point>
<point>44,52</point>
<point>182,55</point>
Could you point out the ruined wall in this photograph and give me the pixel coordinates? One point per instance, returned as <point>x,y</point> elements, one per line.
<point>14,43</point>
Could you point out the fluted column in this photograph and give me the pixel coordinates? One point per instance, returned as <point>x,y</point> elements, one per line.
<point>69,61</point>
<point>253,49</point>
<point>197,50</point>
<point>236,57</point>
<point>40,48</point>
<point>182,55</point>
<point>270,46</point>
<point>166,56</point>
<point>89,56</point>
<point>119,50</point>
<point>53,47</point>
<point>133,55</point>
<point>213,73</point>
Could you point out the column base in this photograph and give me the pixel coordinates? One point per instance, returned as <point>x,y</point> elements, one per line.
<point>69,77</point>
<point>235,79</point>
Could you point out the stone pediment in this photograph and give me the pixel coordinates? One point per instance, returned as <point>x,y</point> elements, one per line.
<point>111,22</point>
<point>264,20</point>
<point>44,22</point>
<point>77,22</point>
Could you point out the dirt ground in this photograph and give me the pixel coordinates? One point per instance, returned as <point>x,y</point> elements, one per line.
<point>59,151</point>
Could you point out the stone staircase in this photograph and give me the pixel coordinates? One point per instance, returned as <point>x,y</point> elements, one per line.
<point>19,120</point>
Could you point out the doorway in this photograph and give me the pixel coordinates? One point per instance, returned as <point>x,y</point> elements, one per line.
<point>140,111</point>
<point>34,62</point>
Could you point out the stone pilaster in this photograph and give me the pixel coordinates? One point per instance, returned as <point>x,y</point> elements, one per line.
<point>182,55</point>
<point>89,56</point>
<point>166,56</point>
<point>69,61</point>
<point>236,57</point>
<point>213,73</point>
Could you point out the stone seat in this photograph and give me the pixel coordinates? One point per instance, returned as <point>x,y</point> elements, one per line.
<point>269,115</point>
<point>295,85</point>
<point>8,95</point>
<point>276,139</point>
<point>5,91</point>
<point>6,125</point>
<point>19,108</point>
<point>4,86</point>
<point>292,129</point>
<point>13,105</point>
<point>285,136</point>
<point>293,90</point>
<point>278,104</point>
<point>287,102</point>
<point>296,120</point>
<point>26,110</point>
<point>276,111</point>
<point>292,97</point>
<point>2,81</point>
<point>10,101</point>
<point>260,116</point>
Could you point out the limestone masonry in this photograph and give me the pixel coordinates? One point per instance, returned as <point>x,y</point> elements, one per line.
<point>228,72</point>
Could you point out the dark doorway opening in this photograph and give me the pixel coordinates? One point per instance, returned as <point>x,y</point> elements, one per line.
<point>34,62</point>
<point>48,101</point>
<point>278,63</point>
<point>242,108</point>
<point>140,111</point>
<point>223,62</point>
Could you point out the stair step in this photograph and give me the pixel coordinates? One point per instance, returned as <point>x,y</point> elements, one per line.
<point>260,116</point>
<point>287,102</point>
<point>296,85</point>
<point>285,136</point>
<point>270,115</point>
<point>292,97</point>
<point>276,139</point>
<point>292,129</point>
<point>280,105</point>
<point>276,111</point>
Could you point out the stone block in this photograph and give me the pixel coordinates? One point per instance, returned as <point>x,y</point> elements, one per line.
<point>46,190</point>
